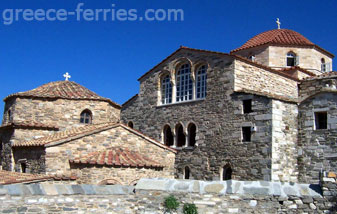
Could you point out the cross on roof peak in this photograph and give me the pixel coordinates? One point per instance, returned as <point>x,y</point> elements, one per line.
<point>278,23</point>
<point>67,76</point>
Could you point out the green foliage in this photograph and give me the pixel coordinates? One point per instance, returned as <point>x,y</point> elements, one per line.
<point>190,209</point>
<point>171,203</point>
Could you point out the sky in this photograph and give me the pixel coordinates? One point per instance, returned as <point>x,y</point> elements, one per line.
<point>109,56</point>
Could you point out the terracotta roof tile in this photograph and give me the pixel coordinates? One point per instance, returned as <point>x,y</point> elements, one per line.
<point>283,37</point>
<point>29,125</point>
<point>116,157</point>
<point>7,177</point>
<point>331,74</point>
<point>63,90</point>
<point>66,135</point>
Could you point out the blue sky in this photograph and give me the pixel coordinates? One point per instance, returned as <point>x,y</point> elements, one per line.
<point>109,57</point>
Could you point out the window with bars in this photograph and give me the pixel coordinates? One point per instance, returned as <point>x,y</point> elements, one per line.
<point>184,83</point>
<point>166,90</point>
<point>86,117</point>
<point>201,82</point>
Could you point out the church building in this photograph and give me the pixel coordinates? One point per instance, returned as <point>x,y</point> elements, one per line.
<point>265,111</point>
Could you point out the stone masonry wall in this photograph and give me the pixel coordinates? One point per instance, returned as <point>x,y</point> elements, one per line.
<point>261,54</point>
<point>34,158</point>
<point>284,145</point>
<point>57,157</point>
<point>61,112</point>
<point>149,194</point>
<point>309,58</point>
<point>248,77</point>
<point>317,148</point>
<point>10,136</point>
<point>218,118</point>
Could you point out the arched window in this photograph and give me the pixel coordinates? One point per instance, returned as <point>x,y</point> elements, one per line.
<point>187,172</point>
<point>291,59</point>
<point>201,82</point>
<point>86,117</point>
<point>184,83</point>
<point>166,90</point>
<point>226,173</point>
<point>181,138</point>
<point>130,124</point>
<point>252,58</point>
<point>168,136</point>
<point>191,134</point>
<point>323,65</point>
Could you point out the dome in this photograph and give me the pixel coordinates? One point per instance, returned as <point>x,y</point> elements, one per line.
<point>62,90</point>
<point>283,37</point>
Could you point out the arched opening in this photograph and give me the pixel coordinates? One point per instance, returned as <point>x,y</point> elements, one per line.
<point>226,173</point>
<point>86,117</point>
<point>192,129</point>
<point>130,124</point>
<point>201,82</point>
<point>166,90</point>
<point>181,138</point>
<point>291,59</point>
<point>252,57</point>
<point>109,182</point>
<point>187,172</point>
<point>184,83</point>
<point>168,136</point>
<point>323,65</point>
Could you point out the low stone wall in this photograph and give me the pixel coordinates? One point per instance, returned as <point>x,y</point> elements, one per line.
<point>148,196</point>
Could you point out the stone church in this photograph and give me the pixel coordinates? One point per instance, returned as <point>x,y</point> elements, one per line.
<point>265,111</point>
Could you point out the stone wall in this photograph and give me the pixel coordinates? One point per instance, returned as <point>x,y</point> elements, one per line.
<point>261,54</point>
<point>219,120</point>
<point>251,78</point>
<point>284,145</point>
<point>33,158</point>
<point>62,113</point>
<point>57,156</point>
<point>149,194</point>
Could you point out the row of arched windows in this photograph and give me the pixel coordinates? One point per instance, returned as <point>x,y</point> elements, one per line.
<point>185,88</point>
<point>225,173</point>
<point>180,139</point>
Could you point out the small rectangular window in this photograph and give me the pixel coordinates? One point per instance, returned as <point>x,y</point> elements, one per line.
<point>23,167</point>
<point>247,106</point>
<point>321,120</point>
<point>246,134</point>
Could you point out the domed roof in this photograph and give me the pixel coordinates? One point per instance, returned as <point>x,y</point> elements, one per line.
<point>62,90</point>
<point>277,37</point>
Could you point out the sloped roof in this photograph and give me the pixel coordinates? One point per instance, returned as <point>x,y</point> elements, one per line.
<point>331,74</point>
<point>81,131</point>
<point>7,177</point>
<point>63,90</point>
<point>283,37</point>
<point>29,125</point>
<point>116,157</point>
<point>67,135</point>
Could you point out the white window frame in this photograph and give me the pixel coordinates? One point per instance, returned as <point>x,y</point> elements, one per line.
<point>201,82</point>
<point>293,56</point>
<point>166,90</point>
<point>184,84</point>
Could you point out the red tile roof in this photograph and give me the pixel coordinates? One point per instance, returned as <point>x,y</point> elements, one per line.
<point>276,36</point>
<point>81,131</point>
<point>331,74</point>
<point>279,72</point>
<point>116,157</point>
<point>7,177</point>
<point>63,90</point>
<point>67,135</point>
<point>29,125</point>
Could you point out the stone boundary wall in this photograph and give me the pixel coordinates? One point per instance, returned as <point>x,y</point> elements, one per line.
<point>148,196</point>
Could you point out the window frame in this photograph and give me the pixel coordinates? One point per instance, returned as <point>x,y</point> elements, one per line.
<point>86,115</point>
<point>184,83</point>
<point>294,57</point>
<point>318,121</point>
<point>166,90</point>
<point>201,82</point>
<point>244,134</point>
